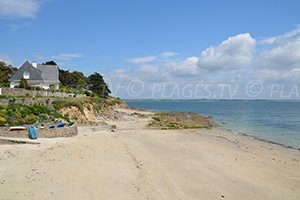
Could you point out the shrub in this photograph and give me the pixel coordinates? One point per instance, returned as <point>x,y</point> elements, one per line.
<point>2,121</point>
<point>16,122</point>
<point>29,87</point>
<point>69,103</point>
<point>88,93</point>
<point>18,114</point>
<point>39,88</point>
<point>30,119</point>
<point>3,96</point>
<point>28,114</point>
<point>23,83</point>
<point>52,87</point>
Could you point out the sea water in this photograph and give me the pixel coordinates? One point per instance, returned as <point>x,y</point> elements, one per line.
<point>273,121</point>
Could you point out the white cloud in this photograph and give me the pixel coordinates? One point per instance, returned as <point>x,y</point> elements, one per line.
<point>147,59</point>
<point>19,8</point>
<point>224,68</point>
<point>142,59</point>
<point>39,57</point>
<point>234,53</point>
<point>296,70</point>
<point>148,69</point>
<point>168,54</point>
<point>185,68</point>
<point>283,53</point>
<point>269,40</point>
<point>67,56</point>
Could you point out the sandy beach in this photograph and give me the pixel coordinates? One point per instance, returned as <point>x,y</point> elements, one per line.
<point>139,163</point>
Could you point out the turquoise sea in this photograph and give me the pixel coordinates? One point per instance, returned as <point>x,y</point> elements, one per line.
<point>272,121</point>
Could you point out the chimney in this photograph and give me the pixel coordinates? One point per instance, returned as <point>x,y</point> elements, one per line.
<point>34,64</point>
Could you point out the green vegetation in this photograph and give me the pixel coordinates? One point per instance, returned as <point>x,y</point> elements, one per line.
<point>99,104</point>
<point>2,121</point>
<point>23,83</point>
<point>49,63</point>
<point>74,80</point>
<point>114,101</point>
<point>77,81</point>
<point>4,96</point>
<point>52,87</point>
<point>98,86</point>
<point>180,120</point>
<point>5,73</point>
<point>18,114</point>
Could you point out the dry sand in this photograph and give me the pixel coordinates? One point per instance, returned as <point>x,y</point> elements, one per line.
<point>136,163</point>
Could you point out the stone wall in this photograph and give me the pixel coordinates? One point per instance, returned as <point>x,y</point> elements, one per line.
<point>33,93</point>
<point>28,101</point>
<point>43,133</point>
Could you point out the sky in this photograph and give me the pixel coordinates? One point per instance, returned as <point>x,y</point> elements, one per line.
<point>177,49</point>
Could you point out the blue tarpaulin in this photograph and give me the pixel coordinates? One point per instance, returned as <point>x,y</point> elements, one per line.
<point>33,132</point>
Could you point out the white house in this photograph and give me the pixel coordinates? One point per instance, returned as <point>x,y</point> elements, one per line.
<point>37,75</point>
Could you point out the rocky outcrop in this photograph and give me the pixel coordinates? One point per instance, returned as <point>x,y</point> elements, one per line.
<point>89,115</point>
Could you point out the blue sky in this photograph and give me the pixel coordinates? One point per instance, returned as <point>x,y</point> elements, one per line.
<point>157,40</point>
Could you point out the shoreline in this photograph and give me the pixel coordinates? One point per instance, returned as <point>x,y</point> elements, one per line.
<point>233,131</point>
<point>277,124</point>
<point>135,162</point>
<point>258,138</point>
<point>217,126</point>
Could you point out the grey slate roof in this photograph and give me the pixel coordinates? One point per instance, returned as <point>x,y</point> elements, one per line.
<point>43,73</point>
<point>35,74</point>
<point>49,72</point>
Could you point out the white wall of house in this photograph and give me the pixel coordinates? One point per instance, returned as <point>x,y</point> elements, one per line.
<point>36,85</point>
<point>17,83</point>
<point>46,85</point>
<point>34,64</point>
<point>26,75</point>
<point>14,84</point>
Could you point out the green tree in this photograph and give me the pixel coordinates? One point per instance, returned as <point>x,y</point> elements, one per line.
<point>49,63</point>
<point>98,85</point>
<point>5,73</point>
<point>74,80</point>
<point>23,83</point>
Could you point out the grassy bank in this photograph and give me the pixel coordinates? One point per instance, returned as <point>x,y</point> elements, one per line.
<point>20,114</point>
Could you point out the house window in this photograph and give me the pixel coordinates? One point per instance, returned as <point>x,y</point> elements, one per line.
<point>26,75</point>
